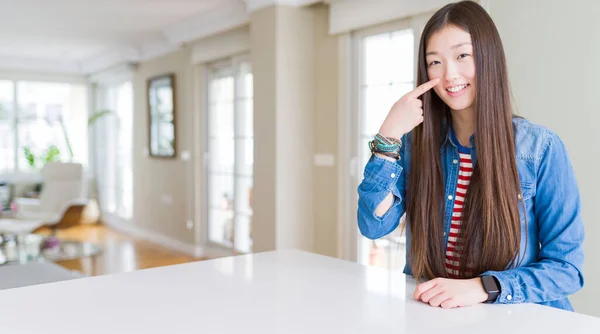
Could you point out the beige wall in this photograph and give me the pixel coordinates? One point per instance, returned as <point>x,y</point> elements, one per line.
<point>263,39</point>
<point>295,95</point>
<point>161,186</point>
<point>283,67</point>
<point>165,190</point>
<point>294,126</point>
<point>325,187</point>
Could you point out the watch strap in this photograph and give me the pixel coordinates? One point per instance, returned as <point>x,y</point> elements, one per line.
<point>492,287</point>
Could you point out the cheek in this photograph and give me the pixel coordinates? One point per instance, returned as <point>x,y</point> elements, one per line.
<point>468,70</point>
<point>434,73</point>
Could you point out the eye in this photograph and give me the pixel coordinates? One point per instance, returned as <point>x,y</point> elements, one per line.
<point>463,55</point>
<point>435,62</point>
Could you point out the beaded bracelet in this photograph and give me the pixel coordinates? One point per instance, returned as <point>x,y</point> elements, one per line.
<point>393,155</point>
<point>387,146</point>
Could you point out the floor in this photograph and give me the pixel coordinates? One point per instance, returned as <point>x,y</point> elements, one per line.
<point>120,252</point>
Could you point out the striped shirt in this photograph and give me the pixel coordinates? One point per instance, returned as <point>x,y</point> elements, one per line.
<point>464,178</point>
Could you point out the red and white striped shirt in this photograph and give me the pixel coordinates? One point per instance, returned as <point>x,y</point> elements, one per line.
<point>454,246</point>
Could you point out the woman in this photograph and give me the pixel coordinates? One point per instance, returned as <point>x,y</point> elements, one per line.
<point>492,205</point>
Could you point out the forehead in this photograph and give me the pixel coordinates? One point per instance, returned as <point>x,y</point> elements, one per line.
<point>444,39</point>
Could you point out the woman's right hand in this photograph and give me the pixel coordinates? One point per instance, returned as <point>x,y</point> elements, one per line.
<point>406,113</point>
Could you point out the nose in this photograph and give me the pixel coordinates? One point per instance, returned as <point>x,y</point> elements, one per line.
<point>451,72</point>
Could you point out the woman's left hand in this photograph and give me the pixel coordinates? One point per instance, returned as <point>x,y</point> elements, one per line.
<point>450,293</point>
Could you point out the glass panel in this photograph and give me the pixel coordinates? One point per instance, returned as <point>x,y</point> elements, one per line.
<point>107,164</point>
<point>28,112</point>
<point>221,120</point>
<point>7,143</point>
<point>377,102</point>
<point>248,85</point>
<point>39,140</point>
<point>221,90</point>
<point>401,51</point>
<point>222,155</point>
<point>7,147</point>
<point>245,117</point>
<point>126,208</point>
<point>50,123</point>
<point>243,200</point>
<point>53,112</point>
<point>243,233</point>
<point>245,155</point>
<point>124,110</point>
<point>220,229</point>
<point>389,58</point>
<point>50,117</point>
<point>387,253</point>
<point>221,192</point>
<point>376,59</point>
<point>114,152</point>
<point>6,101</point>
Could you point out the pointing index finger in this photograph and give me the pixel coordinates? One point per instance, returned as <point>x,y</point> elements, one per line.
<point>423,88</point>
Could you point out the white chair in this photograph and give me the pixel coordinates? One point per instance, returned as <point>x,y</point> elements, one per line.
<point>63,191</point>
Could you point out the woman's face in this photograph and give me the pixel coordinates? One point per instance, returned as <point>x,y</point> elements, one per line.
<point>449,57</point>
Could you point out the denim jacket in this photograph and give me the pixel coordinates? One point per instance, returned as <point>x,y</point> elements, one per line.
<point>552,258</point>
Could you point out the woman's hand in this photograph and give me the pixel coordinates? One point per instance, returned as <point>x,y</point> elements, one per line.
<point>406,113</point>
<point>450,293</point>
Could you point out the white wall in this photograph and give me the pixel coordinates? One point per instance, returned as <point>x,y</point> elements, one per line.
<point>553,57</point>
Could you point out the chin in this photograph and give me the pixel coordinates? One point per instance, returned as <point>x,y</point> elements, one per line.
<point>459,107</point>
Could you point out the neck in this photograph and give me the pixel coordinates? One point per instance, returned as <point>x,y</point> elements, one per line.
<point>464,124</point>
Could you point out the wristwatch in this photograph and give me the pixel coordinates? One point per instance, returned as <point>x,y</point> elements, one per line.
<point>492,287</point>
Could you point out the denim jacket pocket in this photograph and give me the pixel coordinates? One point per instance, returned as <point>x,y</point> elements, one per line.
<point>526,198</point>
<point>527,191</point>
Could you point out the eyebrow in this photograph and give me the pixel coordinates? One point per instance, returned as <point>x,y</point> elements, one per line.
<point>452,47</point>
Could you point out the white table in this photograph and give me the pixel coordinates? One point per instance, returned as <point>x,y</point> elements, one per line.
<point>274,292</point>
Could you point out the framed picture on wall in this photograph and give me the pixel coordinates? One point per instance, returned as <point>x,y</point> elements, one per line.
<point>161,116</point>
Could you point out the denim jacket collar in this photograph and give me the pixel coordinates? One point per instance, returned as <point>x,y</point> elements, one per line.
<point>450,138</point>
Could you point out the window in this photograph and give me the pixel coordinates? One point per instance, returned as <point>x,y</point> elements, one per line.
<point>7,122</point>
<point>230,154</point>
<point>114,149</point>
<point>386,64</point>
<point>48,123</point>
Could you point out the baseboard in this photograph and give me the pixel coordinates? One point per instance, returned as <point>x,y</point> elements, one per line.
<point>154,237</point>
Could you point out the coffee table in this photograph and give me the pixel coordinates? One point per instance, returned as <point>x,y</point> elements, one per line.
<point>15,248</point>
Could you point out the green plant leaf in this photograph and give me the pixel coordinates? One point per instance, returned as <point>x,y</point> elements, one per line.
<point>29,157</point>
<point>98,115</point>
<point>52,154</point>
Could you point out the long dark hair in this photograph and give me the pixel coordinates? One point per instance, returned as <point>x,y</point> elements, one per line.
<point>490,231</point>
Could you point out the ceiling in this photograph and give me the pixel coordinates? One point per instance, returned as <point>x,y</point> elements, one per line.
<point>66,34</point>
<point>81,37</point>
